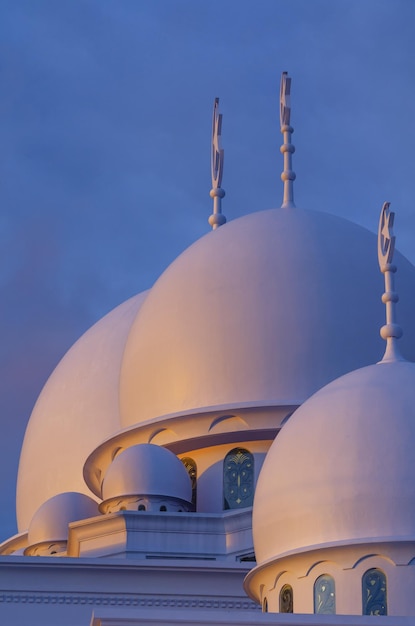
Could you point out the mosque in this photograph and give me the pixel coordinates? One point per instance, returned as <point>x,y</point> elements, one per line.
<point>234,445</point>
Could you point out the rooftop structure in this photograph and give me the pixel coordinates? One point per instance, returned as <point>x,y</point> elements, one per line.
<point>158,434</point>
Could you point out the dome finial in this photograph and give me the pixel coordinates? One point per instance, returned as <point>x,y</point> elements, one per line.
<point>391,331</point>
<point>217,193</point>
<point>287,149</point>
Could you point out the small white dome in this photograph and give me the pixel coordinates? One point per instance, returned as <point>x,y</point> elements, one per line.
<point>263,311</point>
<point>147,470</point>
<point>341,471</point>
<point>50,522</point>
<point>78,407</point>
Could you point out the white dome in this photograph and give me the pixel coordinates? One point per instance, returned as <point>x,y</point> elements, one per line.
<point>341,471</point>
<point>263,311</point>
<point>147,469</point>
<point>50,522</point>
<point>78,407</point>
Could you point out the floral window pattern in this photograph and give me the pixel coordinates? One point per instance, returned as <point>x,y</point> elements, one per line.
<point>324,595</point>
<point>286,599</point>
<point>374,593</point>
<point>238,479</point>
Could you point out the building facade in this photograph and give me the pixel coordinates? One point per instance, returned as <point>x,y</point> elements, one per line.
<point>152,441</point>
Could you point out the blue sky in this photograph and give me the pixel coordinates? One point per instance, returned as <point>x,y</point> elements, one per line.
<point>105,146</point>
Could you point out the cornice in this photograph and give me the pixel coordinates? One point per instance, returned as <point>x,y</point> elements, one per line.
<point>129,600</point>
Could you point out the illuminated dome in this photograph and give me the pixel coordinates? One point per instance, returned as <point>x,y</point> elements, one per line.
<point>254,317</point>
<point>146,470</point>
<point>50,522</point>
<point>341,471</point>
<point>263,311</point>
<point>263,315</point>
<point>76,409</point>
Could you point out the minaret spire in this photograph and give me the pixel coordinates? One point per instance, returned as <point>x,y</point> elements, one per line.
<point>217,193</point>
<point>391,331</point>
<point>287,149</point>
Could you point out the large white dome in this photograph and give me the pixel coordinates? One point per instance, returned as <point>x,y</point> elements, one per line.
<point>262,311</point>
<point>341,471</point>
<point>78,407</point>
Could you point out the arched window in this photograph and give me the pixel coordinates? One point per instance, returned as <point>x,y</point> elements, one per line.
<point>191,467</point>
<point>324,595</point>
<point>374,593</point>
<point>286,599</point>
<point>265,605</point>
<point>238,479</point>
<point>141,507</point>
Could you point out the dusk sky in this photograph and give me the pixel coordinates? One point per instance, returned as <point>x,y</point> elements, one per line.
<point>105,149</point>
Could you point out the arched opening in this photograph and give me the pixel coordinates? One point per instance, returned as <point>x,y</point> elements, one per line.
<point>265,606</point>
<point>238,479</point>
<point>191,467</point>
<point>286,599</point>
<point>374,595</point>
<point>325,595</point>
<point>141,507</point>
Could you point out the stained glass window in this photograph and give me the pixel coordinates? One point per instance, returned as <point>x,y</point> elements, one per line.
<point>238,479</point>
<point>374,592</point>
<point>191,467</point>
<point>286,599</point>
<point>324,595</point>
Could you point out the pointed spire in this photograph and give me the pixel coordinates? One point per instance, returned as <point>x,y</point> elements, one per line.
<point>217,193</point>
<point>287,149</point>
<point>391,331</point>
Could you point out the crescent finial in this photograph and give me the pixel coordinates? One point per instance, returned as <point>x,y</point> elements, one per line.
<point>391,331</point>
<point>285,99</point>
<point>217,157</point>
